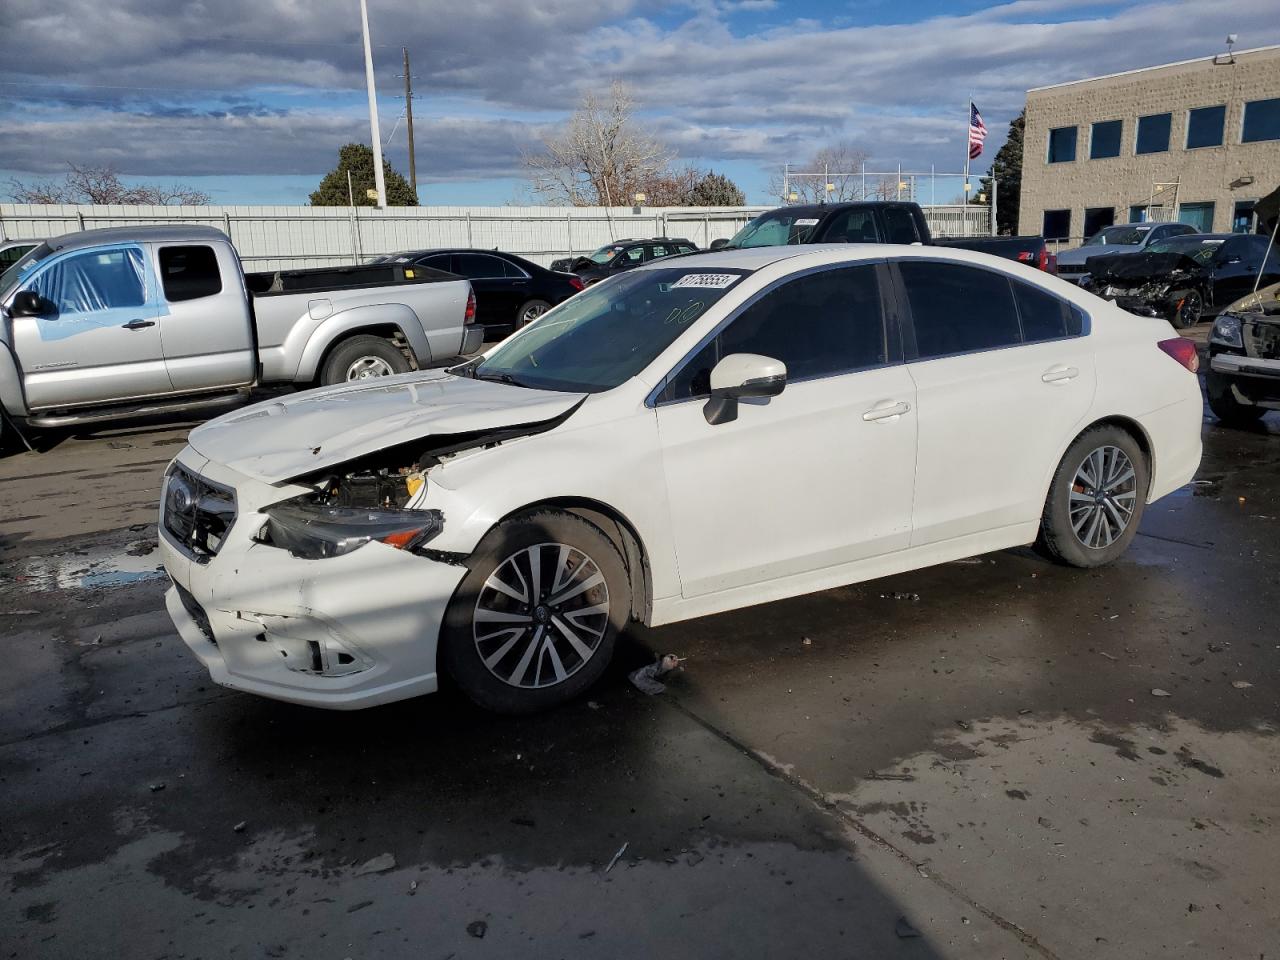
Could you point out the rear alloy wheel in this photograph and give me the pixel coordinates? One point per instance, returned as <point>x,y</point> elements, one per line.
<point>535,620</point>
<point>363,357</point>
<point>1096,498</point>
<point>530,312</point>
<point>1191,310</point>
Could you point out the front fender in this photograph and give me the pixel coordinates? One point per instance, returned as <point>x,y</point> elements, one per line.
<point>13,399</point>
<point>340,325</point>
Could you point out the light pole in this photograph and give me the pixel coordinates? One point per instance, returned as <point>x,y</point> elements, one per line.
<point>378,180</point>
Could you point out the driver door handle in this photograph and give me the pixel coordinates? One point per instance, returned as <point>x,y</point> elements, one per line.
<point>139,324</point>
<point>887,410</point>
<point>1059,374</point>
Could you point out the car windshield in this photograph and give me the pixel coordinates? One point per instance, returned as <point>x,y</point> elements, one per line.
<point>1123,236</point>
<point>605,254</point>
<point>10,279</point>
<point>1201,251</point>
<point>776,229</point>
<point>608,333</point>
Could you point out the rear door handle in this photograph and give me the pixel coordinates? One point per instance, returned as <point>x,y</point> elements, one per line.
<point>139,324</point>
<point>887,410</point>
<point>1059,374</point>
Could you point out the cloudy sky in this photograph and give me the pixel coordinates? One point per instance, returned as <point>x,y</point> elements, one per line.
<point>250,99</point>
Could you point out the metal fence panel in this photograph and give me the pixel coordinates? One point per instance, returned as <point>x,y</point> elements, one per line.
<point>281,237</point>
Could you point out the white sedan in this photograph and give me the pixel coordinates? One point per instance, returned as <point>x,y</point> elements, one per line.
<point>693,436</point>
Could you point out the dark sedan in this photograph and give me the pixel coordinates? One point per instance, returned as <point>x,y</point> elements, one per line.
<point>1187,278</point>
<point>623,255</point>
<point>510,291</point>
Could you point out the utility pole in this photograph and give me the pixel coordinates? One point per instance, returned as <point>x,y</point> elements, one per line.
<point>378,179</point>
<point>408,115</point>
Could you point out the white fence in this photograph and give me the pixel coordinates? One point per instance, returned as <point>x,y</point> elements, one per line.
<point>279,237</point>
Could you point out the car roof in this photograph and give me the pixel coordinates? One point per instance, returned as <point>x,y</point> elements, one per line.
<point>1209,236</point>
<point>147,233</point>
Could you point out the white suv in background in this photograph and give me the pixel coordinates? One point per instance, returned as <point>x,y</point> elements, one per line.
<point>690,437</point>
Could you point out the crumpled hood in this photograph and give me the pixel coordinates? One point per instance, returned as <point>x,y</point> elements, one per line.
<point>281,439</point>
<point>1142,267</point>
<point>1081,255</point>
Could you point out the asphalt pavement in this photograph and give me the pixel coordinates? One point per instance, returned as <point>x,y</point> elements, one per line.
<point>992,758</point>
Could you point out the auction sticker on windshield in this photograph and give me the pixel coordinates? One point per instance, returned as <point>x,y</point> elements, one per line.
<point>713,281</point>
<point>807,222</point>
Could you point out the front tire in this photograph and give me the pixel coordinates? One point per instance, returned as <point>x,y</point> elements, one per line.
<point>1096,498</point>
<point>363,357</point>
<point>1191,310</point>
<point>535,620</point>
<point>1225,406</point>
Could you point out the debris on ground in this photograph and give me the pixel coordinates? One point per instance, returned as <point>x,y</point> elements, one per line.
<point>617,856</point>
<point>899,595</point>
<point>806,641</point>
<point>646,678</point>
<point>1241,684</point>
<point>1109,656</point>
<point>157,787</point>
<point>477,929</point>
<point>1157,692</point>
<point>379,864</point>
<point>963,725</point>
<point>905,777</point>
<point>593,705</point>
<point>413,887</point>
<point>239,827</point>
<point>904,929</point>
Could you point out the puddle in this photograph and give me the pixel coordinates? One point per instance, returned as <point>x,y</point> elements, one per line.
<point>86,570</point>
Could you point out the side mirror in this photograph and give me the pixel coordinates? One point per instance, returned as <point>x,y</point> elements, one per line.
<point>28,303</point>
<point>742,376</point>
<point>717,243</point>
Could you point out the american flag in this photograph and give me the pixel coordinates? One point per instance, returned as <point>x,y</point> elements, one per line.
<point>977,132</point>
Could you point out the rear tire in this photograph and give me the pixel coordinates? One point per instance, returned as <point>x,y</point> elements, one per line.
<point>1096,498</point>
<point>535,620</point>
<point>363,357</point>
<point>1225,406</point>
<point>530,312</point>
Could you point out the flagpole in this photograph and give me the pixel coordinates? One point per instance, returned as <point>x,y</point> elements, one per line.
<point>968,122</point>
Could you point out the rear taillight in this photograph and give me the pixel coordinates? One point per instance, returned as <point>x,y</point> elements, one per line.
<point>577,283</point>
<point>470,315</point>
<point>1182,350</point>
<point>1047,262</point>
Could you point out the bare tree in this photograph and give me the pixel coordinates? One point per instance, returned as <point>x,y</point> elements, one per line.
<point>603,157</point>
<point>101,185</point>
<point>839,164</point>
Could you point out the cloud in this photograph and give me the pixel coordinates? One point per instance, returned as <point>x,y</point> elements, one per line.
<point>275,86</point>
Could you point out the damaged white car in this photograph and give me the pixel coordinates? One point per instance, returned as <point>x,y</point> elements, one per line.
<point>690,437</point>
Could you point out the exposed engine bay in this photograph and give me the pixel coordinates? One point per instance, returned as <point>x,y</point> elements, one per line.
<point>1154,285</point>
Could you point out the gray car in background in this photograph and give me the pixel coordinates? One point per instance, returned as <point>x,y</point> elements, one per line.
<point>1120,238</point>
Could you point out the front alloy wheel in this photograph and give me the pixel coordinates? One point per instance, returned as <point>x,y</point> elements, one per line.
<point>541,615</point>
<point>534,621</point>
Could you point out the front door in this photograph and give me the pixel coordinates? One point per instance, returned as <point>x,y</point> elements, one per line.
<point>1004,378</point>
<point>818,476</point>
<point>101,342</point>
<point>498,295</point>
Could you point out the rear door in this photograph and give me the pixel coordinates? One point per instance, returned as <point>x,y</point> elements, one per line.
<point>1004,377</point>
<point>498,296</point>
<point>205,327</point>
<point>101,342</point>
<point>817,476</point>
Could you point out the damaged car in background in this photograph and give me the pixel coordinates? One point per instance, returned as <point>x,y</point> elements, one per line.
<point>1187,279</point>
<point>667,444</point>
<point>1243,379</point>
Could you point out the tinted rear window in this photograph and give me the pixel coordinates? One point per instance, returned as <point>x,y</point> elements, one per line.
<point>958,309</point>
<point>189,273</point>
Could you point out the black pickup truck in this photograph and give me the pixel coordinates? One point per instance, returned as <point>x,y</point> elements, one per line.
<point>873,221</point>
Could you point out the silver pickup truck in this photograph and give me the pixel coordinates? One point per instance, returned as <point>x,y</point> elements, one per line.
<point>104,324</point>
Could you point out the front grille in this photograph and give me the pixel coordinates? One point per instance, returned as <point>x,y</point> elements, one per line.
<point>1261,340</point>
<point>197,513</point>
<point>193,607</point>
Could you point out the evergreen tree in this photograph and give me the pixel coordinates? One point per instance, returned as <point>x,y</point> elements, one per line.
<point>715,190</point>
<point>358,158</point>
<point>1007,171</point>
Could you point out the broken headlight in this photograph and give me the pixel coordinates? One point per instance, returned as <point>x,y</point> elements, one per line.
<point>1226,331</point>
<point>314,531</point>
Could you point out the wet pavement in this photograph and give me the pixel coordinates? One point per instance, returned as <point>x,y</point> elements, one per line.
<point>992,758</point>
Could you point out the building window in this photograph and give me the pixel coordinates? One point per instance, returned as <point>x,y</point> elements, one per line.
<point>1105,139</point>
<point>1261,121</point>
<point>1204,126</point>
<point>1062,144</point>
<point>1198,215</point>
<point>1153,133</point>
<point>1242,217</point>
<point>1138,214</point>
<point>1095,218</point>
<point>1057,224</point>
